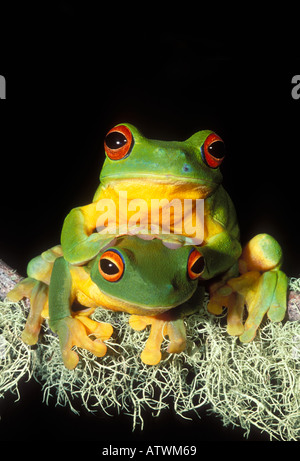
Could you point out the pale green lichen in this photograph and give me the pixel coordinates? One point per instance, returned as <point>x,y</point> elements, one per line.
<point>294,284</point>
<point>247,385</point>
<point>15,356</point>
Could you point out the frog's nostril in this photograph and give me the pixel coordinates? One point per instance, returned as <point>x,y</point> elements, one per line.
<point>175,284</point>
<point>186,167</point>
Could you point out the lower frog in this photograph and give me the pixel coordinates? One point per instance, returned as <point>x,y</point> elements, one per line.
<point>158,286</point>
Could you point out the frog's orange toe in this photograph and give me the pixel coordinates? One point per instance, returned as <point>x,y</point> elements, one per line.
<point>151,357</point>
<point>100,330</point>
<point>100,348</point>
<point>70,359</point>
<point>138,322</point>
<point>103,331</point>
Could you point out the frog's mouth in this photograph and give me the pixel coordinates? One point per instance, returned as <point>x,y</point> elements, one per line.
<point>131,307</point>
<point>203,188</point>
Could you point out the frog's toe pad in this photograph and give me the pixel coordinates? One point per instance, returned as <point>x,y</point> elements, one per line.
<point>70,358</point>
<point>30,337</point>
<point>161,326</point>
<point>151,356</point>
<point>235,329</point>
<point>175,330</point>
<point>248,335</point>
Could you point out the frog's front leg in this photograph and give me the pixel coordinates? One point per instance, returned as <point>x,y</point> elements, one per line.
<point>72,331</point>
<point>171,324</point>
<point>220,254</point>
<point>161,326</point>
<point>79,239</point>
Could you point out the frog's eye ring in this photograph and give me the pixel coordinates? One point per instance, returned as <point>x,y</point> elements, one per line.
<point>111,266</point>
<point>118,142</point>
<point>195,265</point>
<point>213,151</point>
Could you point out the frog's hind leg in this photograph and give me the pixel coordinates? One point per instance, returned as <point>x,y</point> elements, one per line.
<point>40,267</point>
<point>35,287</point>
<point>278,306</point>
<point>21,290</point>
<point>258,300</point>
<point>37,292</point>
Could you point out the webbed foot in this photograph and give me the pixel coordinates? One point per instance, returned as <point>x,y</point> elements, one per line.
<point>261,287</point>
<point>266,295</point>
<point>37,292</point>
<point>161,326</point>
<point>74,331</point>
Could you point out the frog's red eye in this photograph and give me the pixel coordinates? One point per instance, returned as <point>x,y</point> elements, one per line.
<point>118,142</point>
<point>213,151</point>
<point>111,266</point>
<point>196,265</point>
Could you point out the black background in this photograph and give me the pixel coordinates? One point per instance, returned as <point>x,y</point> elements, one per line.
<point>72,73</point>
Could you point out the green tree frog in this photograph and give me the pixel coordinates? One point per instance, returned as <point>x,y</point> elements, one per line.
<point>158,286</point>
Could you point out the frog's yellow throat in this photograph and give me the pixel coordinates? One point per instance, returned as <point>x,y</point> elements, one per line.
<point>157,188</point>
<point>191,224</point>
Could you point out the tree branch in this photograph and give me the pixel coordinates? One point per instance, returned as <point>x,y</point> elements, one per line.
<point>8,279</point>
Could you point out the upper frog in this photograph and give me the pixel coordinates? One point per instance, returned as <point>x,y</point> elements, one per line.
<point>193,163</point>
<point>137,172</point>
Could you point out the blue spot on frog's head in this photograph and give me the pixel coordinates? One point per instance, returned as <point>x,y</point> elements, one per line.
<point>186,168</point>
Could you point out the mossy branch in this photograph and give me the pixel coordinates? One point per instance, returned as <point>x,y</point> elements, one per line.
<point>246,385</point>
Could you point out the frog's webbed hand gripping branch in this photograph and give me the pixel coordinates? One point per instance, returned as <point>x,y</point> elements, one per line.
<point>262,287</point>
